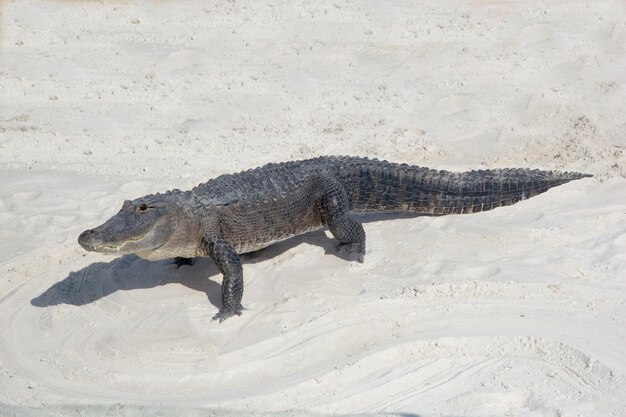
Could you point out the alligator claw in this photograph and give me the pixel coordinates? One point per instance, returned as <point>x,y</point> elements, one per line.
<point>351,252</point>
<point>223,315</point>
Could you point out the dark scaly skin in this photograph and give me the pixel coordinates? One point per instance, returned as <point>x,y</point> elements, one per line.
<point>247,211</point>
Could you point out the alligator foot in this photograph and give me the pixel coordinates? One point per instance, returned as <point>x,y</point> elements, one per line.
<point>224,314</point>
<point>180,261</point>
<point>351,251</point>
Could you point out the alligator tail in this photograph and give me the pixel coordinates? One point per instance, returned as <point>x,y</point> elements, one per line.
<point>375,186</point>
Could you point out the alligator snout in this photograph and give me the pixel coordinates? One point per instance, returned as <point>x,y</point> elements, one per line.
<point>89,240</point>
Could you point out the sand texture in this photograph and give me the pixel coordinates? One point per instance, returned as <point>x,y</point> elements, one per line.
<point>519,311</point>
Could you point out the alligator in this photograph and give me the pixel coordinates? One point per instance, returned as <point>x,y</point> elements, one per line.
<point>240,213</point>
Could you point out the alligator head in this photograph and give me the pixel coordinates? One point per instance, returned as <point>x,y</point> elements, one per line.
<point>147,226</point>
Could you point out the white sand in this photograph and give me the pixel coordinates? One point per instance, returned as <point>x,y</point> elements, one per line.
<point>517,312</point>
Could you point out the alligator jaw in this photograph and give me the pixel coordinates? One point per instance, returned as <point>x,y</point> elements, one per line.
<point>91,242</point>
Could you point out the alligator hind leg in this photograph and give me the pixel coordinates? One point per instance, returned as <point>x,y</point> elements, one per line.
<point>333,206</point>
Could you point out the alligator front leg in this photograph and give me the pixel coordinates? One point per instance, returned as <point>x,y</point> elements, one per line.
<point>180,261</point>
<point>229,264</point>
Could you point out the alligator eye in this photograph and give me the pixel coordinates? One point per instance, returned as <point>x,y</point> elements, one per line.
<point>142,207</point>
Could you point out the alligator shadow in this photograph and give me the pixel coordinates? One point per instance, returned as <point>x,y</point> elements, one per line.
<point>130,272</point>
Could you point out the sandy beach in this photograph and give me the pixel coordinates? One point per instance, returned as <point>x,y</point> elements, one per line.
<point>519,311</point>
